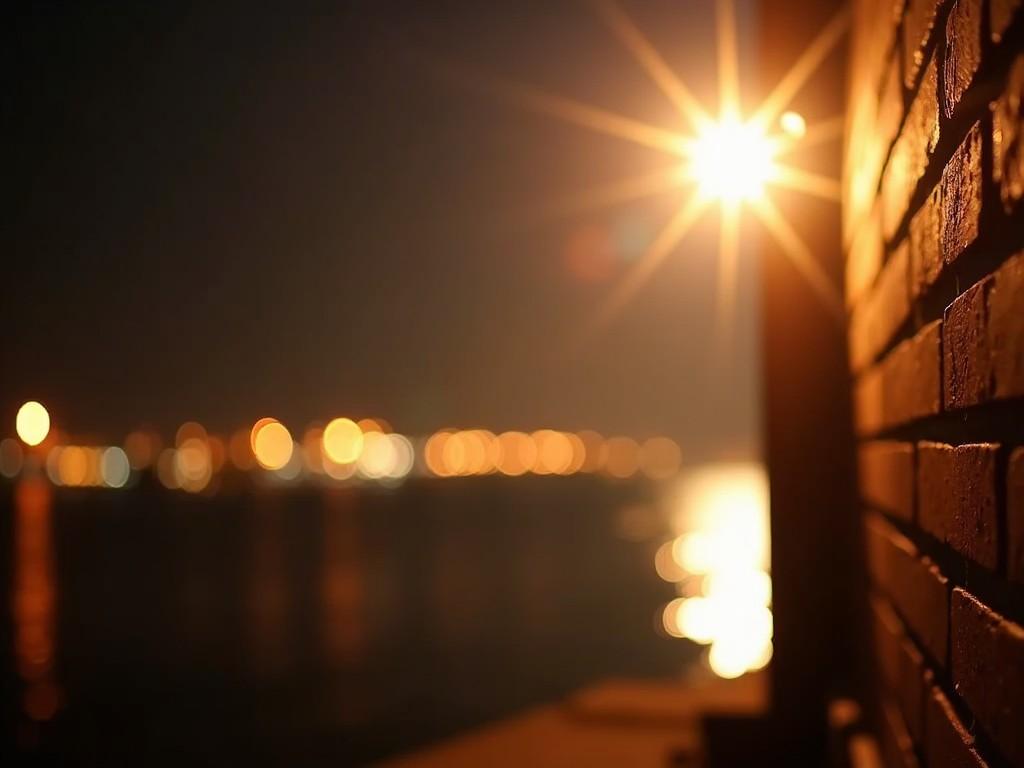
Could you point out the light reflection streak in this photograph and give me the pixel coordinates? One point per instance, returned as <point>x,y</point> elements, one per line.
<point>806,181</point>
<point>800,256</point>
<point>666,241</point>
<point>808,61</point>
<point>722,542</point>
<point>34,598</point>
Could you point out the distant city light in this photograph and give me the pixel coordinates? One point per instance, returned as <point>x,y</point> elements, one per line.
<point>343,440</point>
<point>271,443</point>
<point>32,423</point>
<point>114,467</point>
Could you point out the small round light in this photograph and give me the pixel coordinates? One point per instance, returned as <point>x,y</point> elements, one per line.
<point>32,423</point>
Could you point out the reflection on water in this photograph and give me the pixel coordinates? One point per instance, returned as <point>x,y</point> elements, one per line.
<point>34,599</point>
<point>307,625</point>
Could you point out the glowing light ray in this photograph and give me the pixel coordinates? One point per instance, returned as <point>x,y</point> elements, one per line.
<point>563,108</point>
<point>728,59</point>
<point>596,119</point>
<point>728,258</point>
<point>805,181</point>
<point>803,68</point>
<point>647,56</point>
<point>817,133</point>
<point>668,238</point>
<point>620,191</point>
<point>799,255</point>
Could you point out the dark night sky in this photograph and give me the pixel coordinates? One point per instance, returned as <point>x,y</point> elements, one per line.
<point>229,212</point>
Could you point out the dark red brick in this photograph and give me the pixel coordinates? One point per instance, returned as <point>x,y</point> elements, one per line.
<point>890,105</point>
<point>896,745</point>
<point>910,690</point>
<point>910,153</point>
<point>887,477</point>
<point>1006,328</point>
<point>956,497</point>
<point>926,244</point>
<point>919,592</point>
<point>961,196</point>
<point>865,258</point>
<point>963,52</point>
<point>1015,515</point>
<point>948,744</point>
<point>887,632</point>
<point>915,360</point>
<point>881,313</point>
<point>867,402</point>
<point>967,361</point>
<point>1007,143</point>
<point>988,671</point>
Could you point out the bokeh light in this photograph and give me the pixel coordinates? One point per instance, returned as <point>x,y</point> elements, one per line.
<point>12,457</point>
<point>343,441</point>
<point>271,443</point>
<point>32,423</point>
<point>115,469</point>
<point>723,541</point>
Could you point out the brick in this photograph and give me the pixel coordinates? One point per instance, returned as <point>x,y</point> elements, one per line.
<point>901,667</point>
<point>868,402</point>
<point>1007,144</point>
<point>926,244</point>
<point>887,632</point>
<point>865,258</point>
<point>947,743</point>
<point>890,105</point>
<point>1001,15</point>
<point>896,745</point>
<point>961,196</point>
<point>956,497</point>
<point>910,153</point>
<point>915,360</point>
<point>963,52</point>
<point>882,398</point>
<point>988,671</point>
<point>887,477</point>
<point>919,592</point>
<point>967,361</point>
<point>917,26</point>
<point>910,689</point>
<point>882,312</point>
<point>1006,328</point>
<point>1015,515</point>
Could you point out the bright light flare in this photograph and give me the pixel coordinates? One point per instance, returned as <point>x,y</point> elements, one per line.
<point>733,161</point>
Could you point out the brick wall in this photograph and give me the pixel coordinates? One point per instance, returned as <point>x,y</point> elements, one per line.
<point>933,229</point>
